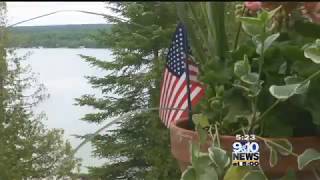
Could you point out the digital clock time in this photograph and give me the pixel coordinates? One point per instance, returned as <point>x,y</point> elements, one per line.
<point>246,137</point>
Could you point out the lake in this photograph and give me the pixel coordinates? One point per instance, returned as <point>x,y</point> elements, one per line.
<point>62,71</point>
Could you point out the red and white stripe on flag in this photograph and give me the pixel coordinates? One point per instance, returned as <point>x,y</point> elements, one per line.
<point>174,96</point>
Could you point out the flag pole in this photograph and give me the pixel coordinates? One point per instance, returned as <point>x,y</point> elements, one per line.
<point>191,125</point>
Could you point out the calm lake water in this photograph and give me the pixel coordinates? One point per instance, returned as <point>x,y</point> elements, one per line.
<point>62,71</point>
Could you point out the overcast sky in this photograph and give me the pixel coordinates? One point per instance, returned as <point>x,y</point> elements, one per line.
<point>19,11</point>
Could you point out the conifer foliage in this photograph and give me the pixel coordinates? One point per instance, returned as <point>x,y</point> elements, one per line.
<point>139,147</point>
<point>27,148</point>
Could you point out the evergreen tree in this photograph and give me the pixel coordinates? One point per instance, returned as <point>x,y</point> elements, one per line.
<point>27,148</point>
<point>139,148</point>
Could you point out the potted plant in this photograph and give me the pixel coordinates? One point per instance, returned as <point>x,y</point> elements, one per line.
<point>267,85</point>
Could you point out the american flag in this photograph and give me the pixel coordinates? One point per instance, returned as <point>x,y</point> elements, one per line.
<point>174,94</point>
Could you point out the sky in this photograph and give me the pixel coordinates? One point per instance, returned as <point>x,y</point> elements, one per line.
<point>19,11</point>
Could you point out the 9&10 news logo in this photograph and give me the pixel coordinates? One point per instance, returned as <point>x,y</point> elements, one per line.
<point>245,151</point>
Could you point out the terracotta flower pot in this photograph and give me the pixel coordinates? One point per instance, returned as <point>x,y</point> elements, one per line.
<point>180,147</point>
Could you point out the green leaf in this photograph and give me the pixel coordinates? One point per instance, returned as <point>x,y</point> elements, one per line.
<point>209,174</point>
<point>201,163</point>
<point>195,151</point>
<point>251,78</point>
<point>307,157</point>
<point>307,28</point>
<point>242,67</point>
<point>199,160</point>
<point>267,43</point>
<point>201,120</point>
<point>312,102</point>
<point>295,80</point>
<point>236,105</point>
<point>254,175</point>
<point>273,12</point>
<point>236,172</point>
<point>283,68</point>
<point>275,149</point>
<point>263,16</point>
<point>252,26</point>
<point>284,143</point>
<point>273,158</point>
<point>275,128</point>
<point>202,135</point>
<point>255,89</point>
<point>283,92</point>
<point>219,157</point>
<point>313,51</point>
<point>303,88</point>
<point>189,174</point>
<point>289,176</point>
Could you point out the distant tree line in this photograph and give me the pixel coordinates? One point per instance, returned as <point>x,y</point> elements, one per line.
<point>57,36</point>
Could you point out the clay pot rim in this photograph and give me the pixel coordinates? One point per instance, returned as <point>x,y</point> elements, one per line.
<point>187,131</point>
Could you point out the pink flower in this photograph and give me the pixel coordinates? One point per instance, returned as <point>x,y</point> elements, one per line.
<point>312,11</point>
<point>253,5</point>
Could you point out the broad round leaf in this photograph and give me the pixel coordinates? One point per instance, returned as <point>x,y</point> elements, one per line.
<point>297,80</point>
<point>201,163</point>
<point>283,68</point>
<point>251,26</point>
<point>236,172</point>
<point>293,80</point>
<point>307,156</point>
<point>284,143</point>
<point>219,156</point>
<point>209,174</point>
<point>195,152</point>
<point>251,78</point>
<point>189,174</point>
<point>290,175</point>
<point>267,43</point>
<point>303,88</point>
<point>273,158</point>
<point>201,120</point>
<point>254,175</point>
<point>273,12</point>
<point>242,68</point>
<point>313,52</point>
<point>202,134</point>
<point>283,92</point>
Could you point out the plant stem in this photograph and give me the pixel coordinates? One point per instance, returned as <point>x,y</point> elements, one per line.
<point>254,112</point>
<point>315,173</point>
<point>268,110</point>
<point>238,30</point>
<point>265,113</point>
<point>311,76</point>
<point>278,101</point>
<point>217,134</point>
<point>290,152</point>
<point>278,145</point>
<point>255,100</point>
<point>262,172</point>
<point>212,136</point>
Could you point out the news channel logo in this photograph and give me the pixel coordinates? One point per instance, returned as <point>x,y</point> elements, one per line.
<point>245,151</point>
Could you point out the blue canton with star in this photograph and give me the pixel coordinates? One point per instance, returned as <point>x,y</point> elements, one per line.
<point>176,55</point>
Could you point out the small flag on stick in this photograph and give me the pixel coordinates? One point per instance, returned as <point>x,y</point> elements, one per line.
<point>180,89</point>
